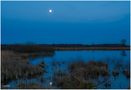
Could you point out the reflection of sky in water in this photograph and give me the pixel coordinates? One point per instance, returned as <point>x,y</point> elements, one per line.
<point>87,55</point>
<point>70,56</point>
<point>83,55</point>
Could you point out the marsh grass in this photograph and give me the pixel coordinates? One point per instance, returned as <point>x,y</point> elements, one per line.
<point>14,67</point>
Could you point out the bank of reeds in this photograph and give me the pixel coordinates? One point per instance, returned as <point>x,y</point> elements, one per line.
<point>15,67</point>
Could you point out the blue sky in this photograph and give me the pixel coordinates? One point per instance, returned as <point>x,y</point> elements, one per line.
<point>70,22</point>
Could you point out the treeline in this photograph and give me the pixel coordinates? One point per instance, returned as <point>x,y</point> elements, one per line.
<point>27,48</point>
<point>51,47</point>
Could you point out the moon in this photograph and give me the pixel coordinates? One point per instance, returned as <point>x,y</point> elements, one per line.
<point>50,11</point>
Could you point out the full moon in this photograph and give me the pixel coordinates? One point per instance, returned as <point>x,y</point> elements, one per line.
<point>50,10</point>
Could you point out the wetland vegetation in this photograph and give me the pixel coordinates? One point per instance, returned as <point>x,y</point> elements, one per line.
<point>75,73</point>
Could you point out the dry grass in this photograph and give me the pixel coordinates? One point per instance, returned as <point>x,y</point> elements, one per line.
<point>15,67</point>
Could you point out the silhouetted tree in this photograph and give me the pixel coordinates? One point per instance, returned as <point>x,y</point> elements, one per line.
<point>123,42</point>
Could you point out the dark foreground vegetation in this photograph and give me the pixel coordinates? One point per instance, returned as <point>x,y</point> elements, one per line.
<point>79,74</point>
<point>82,75</point>
<point>16,67</point>
<point>89,75</point>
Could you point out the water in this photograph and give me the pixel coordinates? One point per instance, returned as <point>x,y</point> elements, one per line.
<point>65,57</point>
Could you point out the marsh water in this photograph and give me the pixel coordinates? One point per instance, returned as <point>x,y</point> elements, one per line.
<point>63,58</point>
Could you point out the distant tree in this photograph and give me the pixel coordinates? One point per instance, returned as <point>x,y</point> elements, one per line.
<point>123,42</point>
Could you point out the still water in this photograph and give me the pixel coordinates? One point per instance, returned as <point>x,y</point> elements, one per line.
<point>66,57</point>
<point>69,56</point>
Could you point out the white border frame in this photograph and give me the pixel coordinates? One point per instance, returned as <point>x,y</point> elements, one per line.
<point>65,0</point>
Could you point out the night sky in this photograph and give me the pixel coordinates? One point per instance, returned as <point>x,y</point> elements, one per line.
<point>68,22</point>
